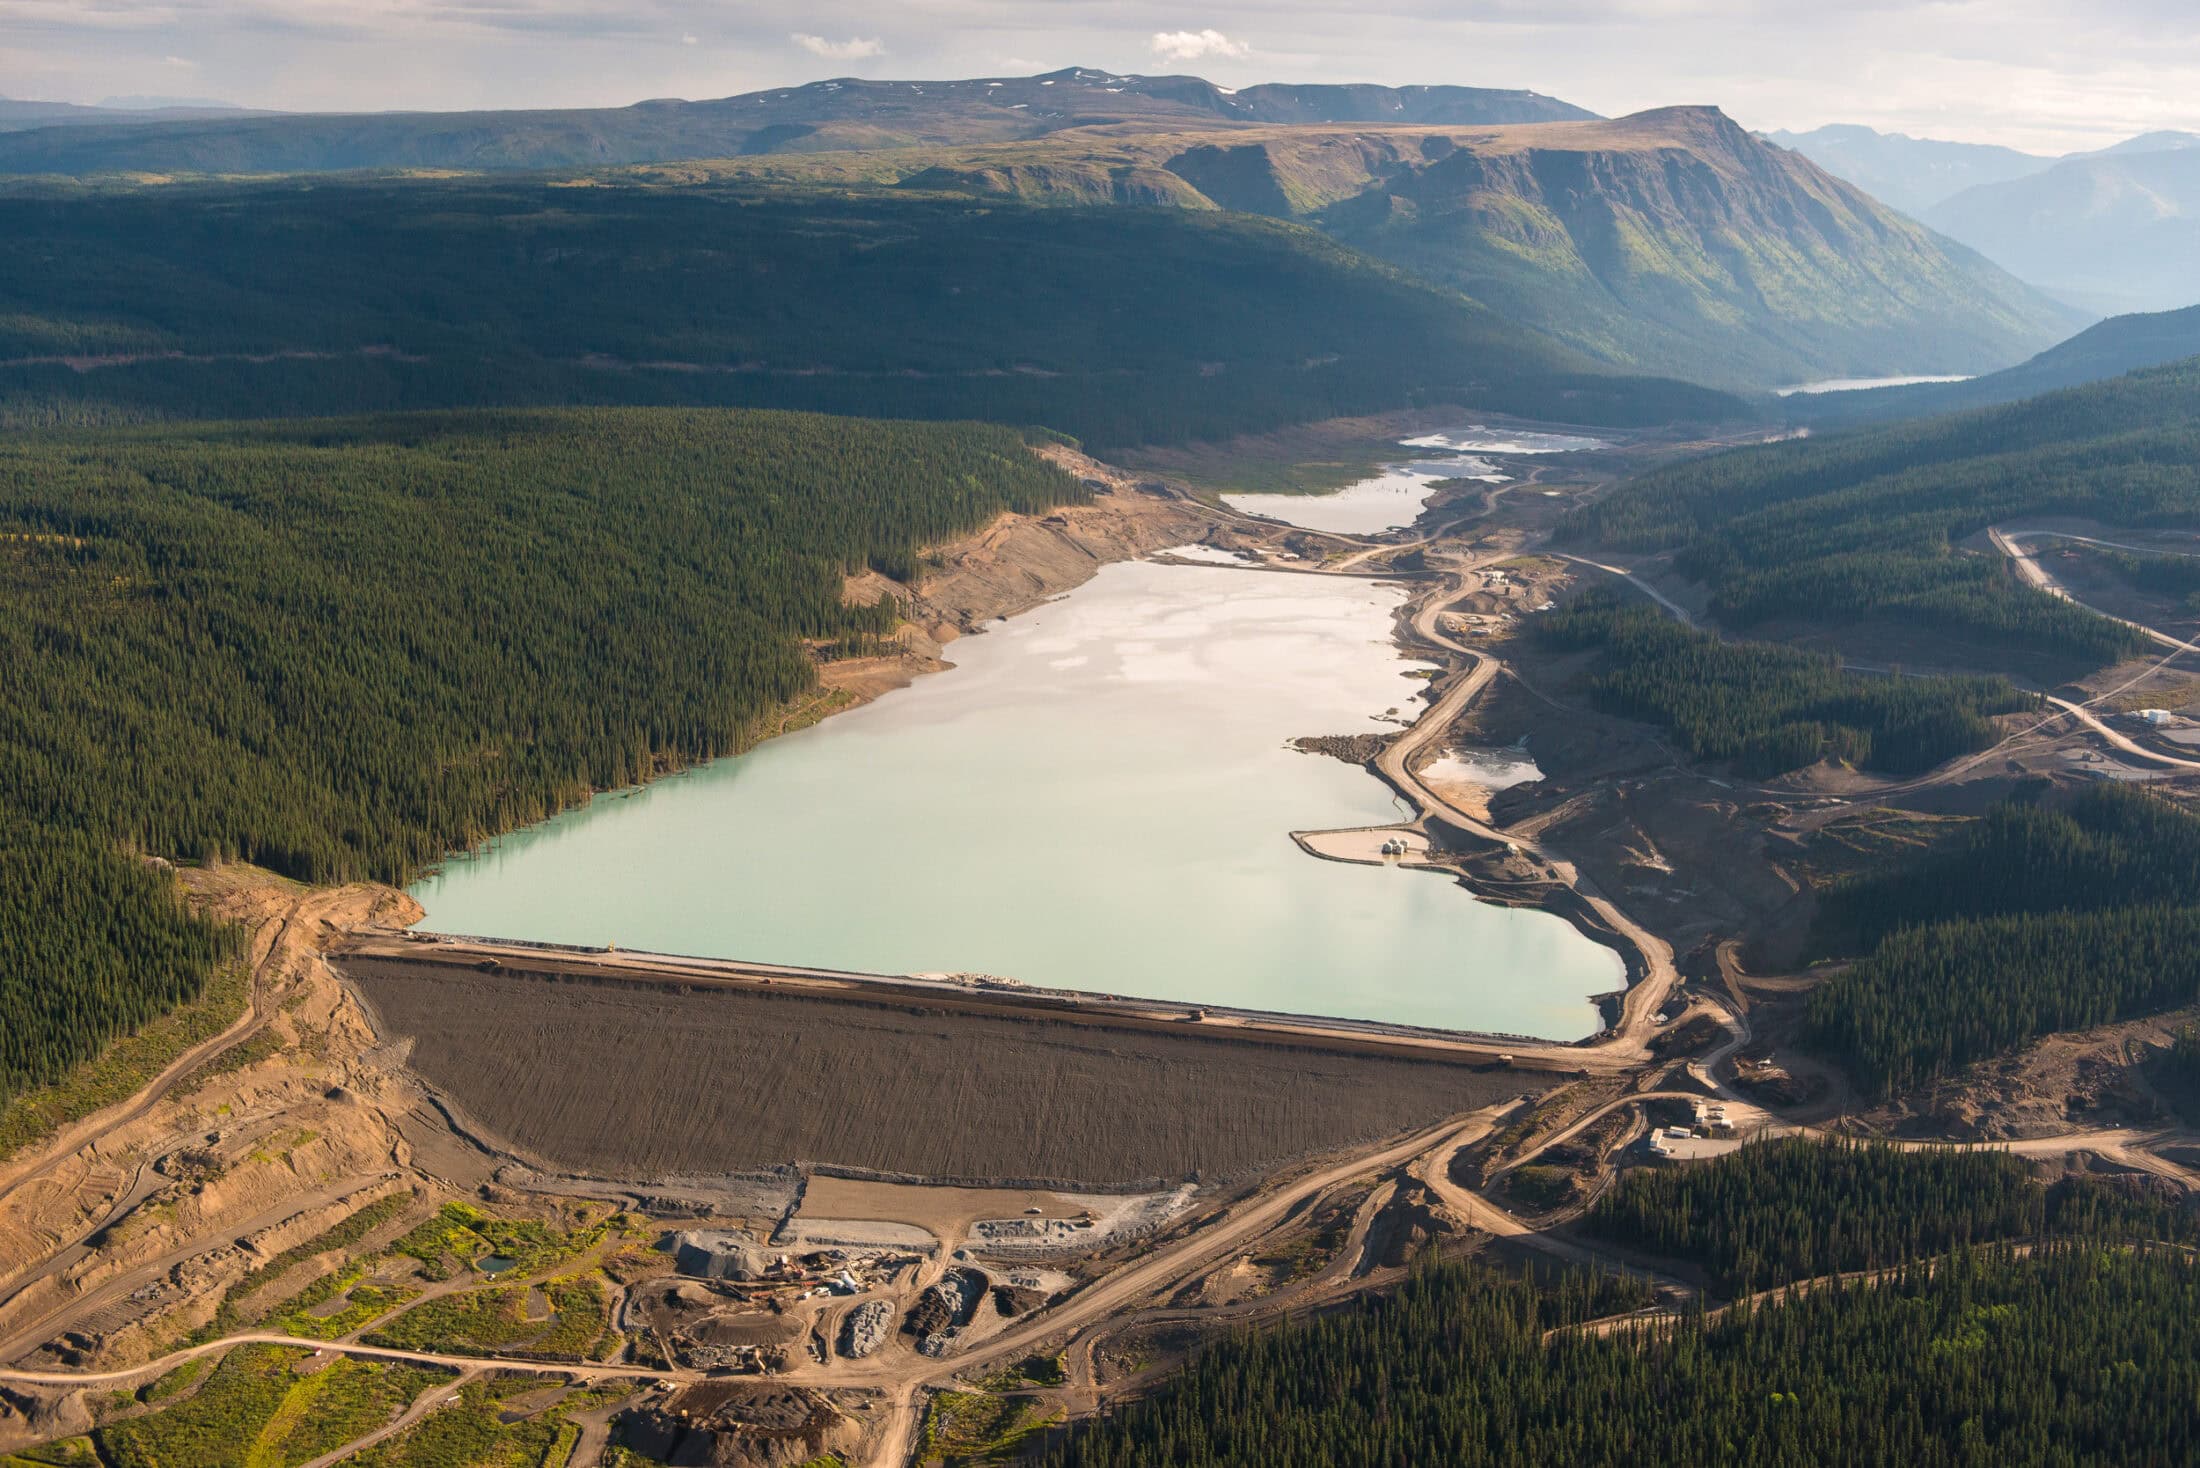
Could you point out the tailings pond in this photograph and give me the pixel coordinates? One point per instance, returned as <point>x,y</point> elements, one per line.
<point>1098,796</point>
<point>1396,496</point>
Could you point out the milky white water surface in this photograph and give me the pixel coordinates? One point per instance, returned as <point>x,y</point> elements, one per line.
<point>1492,769</point>
<point>1859,384</point>
<point>1098,796</point>
<point>1503,441</point>
<point>1395,497</point>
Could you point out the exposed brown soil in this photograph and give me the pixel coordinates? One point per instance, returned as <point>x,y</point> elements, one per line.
<point>632,1081</point>
<point>1011,566</point>
<point>724,1424</point>
<point>2084,1079</point>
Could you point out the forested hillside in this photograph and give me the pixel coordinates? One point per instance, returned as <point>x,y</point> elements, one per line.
<point>1982,1359</point>
<point>1767,708</point>
<point>1670,241</point>
<point>2109,846</point>
<point>1863,525</point>
<point>341,648</point>
<point>2031,920</point>
<point>1117,326</point>
<point>1676,242</point>
<point>1796,1208</point>
<point>1928,1001</point>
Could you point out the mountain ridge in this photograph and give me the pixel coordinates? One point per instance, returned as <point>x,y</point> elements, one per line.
<point>834,114</point>
<point>1670,241</point>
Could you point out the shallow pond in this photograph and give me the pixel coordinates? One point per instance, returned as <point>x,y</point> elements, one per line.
<point>1396,496</point>
<point>1385,502</point>
<point>1098,796</point>
<point>1492,769</point>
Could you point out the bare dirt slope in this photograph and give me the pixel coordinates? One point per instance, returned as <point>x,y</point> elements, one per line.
<point>631,1081</point>
<point>1014,564</point>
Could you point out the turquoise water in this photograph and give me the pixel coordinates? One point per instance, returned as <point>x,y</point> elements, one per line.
<point>1097,796</point>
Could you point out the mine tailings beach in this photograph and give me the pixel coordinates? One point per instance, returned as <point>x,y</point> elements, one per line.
<point>1395,495</point>
<point>1099,795</point>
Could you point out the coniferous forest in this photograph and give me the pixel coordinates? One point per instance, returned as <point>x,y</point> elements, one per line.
<point>1864,525</point>
<point>1120,326</point>
<point>2076,1353</point>
<point>1768,708</point>
<point>2033,919</point>
<point>340,648</point>
<point>1793,1209</point>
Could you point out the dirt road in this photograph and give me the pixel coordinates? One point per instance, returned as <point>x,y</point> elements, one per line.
<point>1648,994</point>
<point>1635,581</point>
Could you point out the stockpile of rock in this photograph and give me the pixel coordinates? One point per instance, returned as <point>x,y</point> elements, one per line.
<point>946,1307</point>
<point>866,1328</point>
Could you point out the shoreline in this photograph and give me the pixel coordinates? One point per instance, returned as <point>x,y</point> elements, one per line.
<point>965,993</point>
<point>1019,562</point>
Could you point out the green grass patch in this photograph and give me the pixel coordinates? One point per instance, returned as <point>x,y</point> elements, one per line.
<point>494,1320</point>
<point>342,1235</point>
<point>979,1427</point>
<point>255,1412</point>
<point>69,1452</point>
<point>175,1382</point>
<point>470,1434</point>
<point>461,1235</point>
<point>363,1303</point>
<point>1031,1371</point>
<point>213,1428</point>
<point>338,1404</point>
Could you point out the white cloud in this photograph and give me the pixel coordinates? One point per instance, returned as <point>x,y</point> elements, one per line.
<point>855,48</point>
<point>182,63</point>
<point>1197,45</point>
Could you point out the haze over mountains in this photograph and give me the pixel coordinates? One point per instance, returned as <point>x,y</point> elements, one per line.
<point>17,115</point>
<point>1913,174</point>
<point>844,113</point>
<point>2115,230</point>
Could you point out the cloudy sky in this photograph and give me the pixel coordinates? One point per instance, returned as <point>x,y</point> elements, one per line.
<point>2042,74</point>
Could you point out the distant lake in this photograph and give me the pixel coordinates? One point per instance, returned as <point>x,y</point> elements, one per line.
<point>1861,384</point>
<point>1098,796</point>
<point>1396,496</point>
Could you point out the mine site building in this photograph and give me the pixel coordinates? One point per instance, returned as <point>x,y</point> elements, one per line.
<point>2154,718</point>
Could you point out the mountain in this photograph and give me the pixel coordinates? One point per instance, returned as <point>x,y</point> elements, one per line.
<point>1670,242</point>
<point>845,113</point>
<point>2110,348</point>
<point>1917,174</point>
<point>2118,231</point>
<point>1676,242</point>
<point>2154,142</point>
<point>16,114</point>
<point>162,104</point>
<point>1913,174</point>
